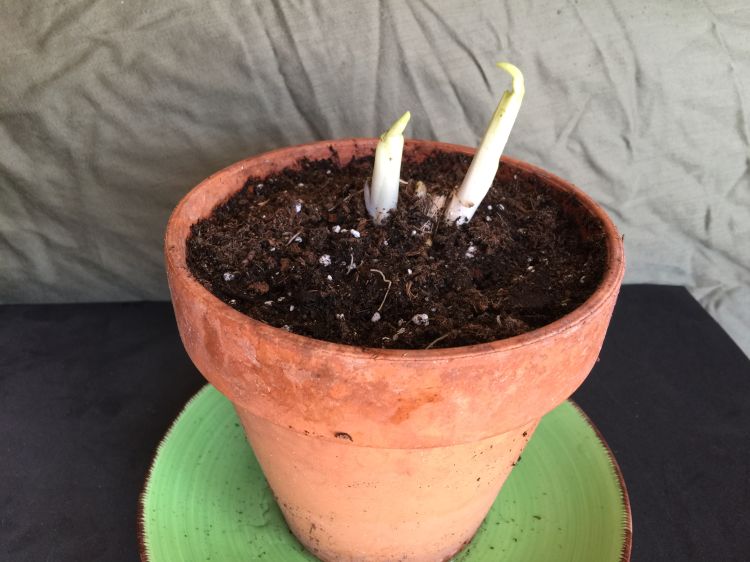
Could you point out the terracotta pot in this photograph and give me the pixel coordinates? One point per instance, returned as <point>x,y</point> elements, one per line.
<point>373,454</point>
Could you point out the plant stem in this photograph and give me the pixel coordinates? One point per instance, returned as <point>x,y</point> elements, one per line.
<point>381,195</point>
<point>483,168</point>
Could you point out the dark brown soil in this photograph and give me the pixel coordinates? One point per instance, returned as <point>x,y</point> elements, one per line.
<point>522,262</point>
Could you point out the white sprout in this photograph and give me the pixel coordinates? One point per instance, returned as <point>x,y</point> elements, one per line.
<point>483,168</point>
<point>381,195</point>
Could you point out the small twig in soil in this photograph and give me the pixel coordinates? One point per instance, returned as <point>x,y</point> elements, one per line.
<point>387,289</point>
<point>293,237</point>
<point>352,266</point>
<point>345,199</point>
<point>441,338</point>
<point>438,220</point>
<point>408,290</point>
<point>398,333</point>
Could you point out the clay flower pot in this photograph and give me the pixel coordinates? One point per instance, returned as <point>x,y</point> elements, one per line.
<point>374,454</point>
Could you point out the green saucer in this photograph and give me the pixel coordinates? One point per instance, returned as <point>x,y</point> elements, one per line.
<point>206,498</point>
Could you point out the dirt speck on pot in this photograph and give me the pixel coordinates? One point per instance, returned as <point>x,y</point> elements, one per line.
<point>303,236</point>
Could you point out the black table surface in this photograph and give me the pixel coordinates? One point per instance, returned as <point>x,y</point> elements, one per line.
<point>88,390</point>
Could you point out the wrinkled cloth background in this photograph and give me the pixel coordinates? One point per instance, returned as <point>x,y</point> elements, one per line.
<point>111,111</point>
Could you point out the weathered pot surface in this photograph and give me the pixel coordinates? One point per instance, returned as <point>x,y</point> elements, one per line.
<point>376,454</point>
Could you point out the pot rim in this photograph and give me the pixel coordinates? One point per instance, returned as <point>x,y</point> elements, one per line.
<point>175,256</point>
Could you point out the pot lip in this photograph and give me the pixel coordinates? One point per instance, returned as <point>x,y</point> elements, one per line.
<point>175,256</point>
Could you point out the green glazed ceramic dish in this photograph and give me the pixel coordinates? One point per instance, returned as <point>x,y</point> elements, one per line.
<point>206,498</point>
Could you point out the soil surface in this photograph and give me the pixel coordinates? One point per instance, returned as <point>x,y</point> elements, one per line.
<point>298,251</point>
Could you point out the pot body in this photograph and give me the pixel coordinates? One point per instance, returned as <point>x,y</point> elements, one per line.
<point>354,504</point>
<point>375,454</point>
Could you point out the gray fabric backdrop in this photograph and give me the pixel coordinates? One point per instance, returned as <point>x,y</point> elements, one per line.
<point>110,111</point>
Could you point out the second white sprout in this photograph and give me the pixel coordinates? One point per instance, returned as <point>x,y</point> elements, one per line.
<point>483,168</point>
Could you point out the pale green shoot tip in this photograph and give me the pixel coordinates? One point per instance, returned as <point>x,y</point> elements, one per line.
<point>398,127</point>
<point>518,84</point>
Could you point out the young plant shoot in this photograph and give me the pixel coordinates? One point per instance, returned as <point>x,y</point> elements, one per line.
<point>381,194</point>
<point>483,168</point>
